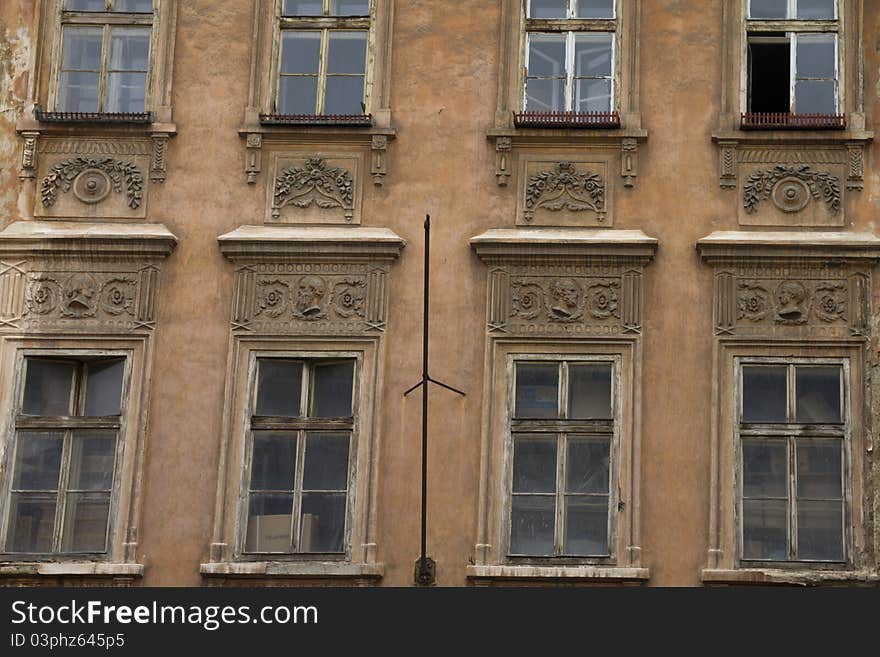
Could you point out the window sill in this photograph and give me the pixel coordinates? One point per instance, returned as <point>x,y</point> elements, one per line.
<point>807,136</point>
<point>90,128</point>
<point>594,574</point>
<point>69,569</point>
<point>293,569</point>
<point>532,136</point>
<point>778,576</point>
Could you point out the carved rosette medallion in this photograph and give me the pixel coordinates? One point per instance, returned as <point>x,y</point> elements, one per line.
<point>349,296</point>
<point>753,301</point>
<point>118,294</point>
<point>43,294</point>
<point>831,301</point>
<point>527,300</point>
<point>272,295</point>
<point>92,186</point>
<point>92,179</point>
<point>791,187</point>
<point>602,299</point>
<point>564,188</point>
<point>314,184</point>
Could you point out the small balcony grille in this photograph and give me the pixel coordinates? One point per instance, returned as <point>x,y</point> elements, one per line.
<point>594,120</point>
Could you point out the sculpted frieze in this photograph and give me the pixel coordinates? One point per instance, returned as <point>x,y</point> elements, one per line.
<point>315,188</point>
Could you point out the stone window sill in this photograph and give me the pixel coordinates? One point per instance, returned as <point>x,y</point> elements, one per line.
<point>69,569</point>
<point>800,136</point>
<point>779,576</point>
<point>293,569</point>
<point>594,574</point>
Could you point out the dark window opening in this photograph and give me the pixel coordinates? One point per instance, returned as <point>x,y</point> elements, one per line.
<point>769,76</point>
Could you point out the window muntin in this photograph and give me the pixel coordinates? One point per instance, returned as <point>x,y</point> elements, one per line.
<point>322,62</point>
<point>300,454</point>
<point>793,429</point>
<point>569,56</point>
<point>562,443</point>
<point>63,462</point>
<point>105,56</point>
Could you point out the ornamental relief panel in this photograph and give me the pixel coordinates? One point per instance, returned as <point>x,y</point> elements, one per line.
<point>564,192</point>
<point>310,298</point>
<point>315,188</point>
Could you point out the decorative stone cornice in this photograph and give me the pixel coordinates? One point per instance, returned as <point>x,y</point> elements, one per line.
<point>562,245</point>
<point>726,246</point>
<point>311,244</point>
<point>133,241</point>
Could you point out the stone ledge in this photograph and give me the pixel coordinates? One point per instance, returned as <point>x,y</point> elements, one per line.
<point>756,245</point>
<point>560,573</point>
<point>86,239</point>
<point>70,568</point>
<point>529,243</point>
<point>311,243</point>
<point>300,569</point>
<point>783,577</point>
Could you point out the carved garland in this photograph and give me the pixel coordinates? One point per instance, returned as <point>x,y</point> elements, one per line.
<point>565,188</point>
<point>65,174</point>
<point>790,188</point>
<point>314,183</point>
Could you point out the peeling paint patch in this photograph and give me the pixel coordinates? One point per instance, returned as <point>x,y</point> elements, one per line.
<point>15,49</point>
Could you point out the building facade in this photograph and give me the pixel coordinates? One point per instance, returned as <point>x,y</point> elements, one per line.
<point>653,277</point>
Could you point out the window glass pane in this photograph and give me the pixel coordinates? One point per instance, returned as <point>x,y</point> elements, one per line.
<point>532,523</point>
<point>814,97</point>
<point>300,51</point>
<point>595,8</point>
<point>134,6</point>
<point>322,527</point>
<point>273,461</point>
<point>548,8</point>
<point>765,529</point>
<point>764,394</point>
<point>545,95</point>
<point>817,394</point>
<point>592,55</point>
<point>345,95</point>
<point>534,464</point>
<point>85,522</point>
<point>587,469</point>
<point>326,466</point>
<point>546,55</point>
<point>297,95</point>
<point>82,49</point>
<point>303,7</point>
<point>347,52</point>
<point>818,469</point>
<point>820,531</point>
<point>815,9</point>
<point>126,92</point>
<point>815,56</point>
<point>37,460</point>
<point>129,48</point>
<point>592,96</point>
<point>78,92</point>
<point>536,390</point>
<point>85,5</point>
<point>31,523</point>
<point>768,9</point>
<point>765,468</point>
<point>350,7</point>
<point>92,457</point>
<point>586,525</point>
<point>268,526</point>
<point>279,387</point>
<point>332,389</point>
<point>104,387</point>
<point>47,388</point>
<point>589,392</point>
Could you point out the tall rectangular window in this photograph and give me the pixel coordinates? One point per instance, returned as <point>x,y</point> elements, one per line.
<point>562,431</point>
<point>793,429</point>
<point>63,460</point>
<point>300,455</point>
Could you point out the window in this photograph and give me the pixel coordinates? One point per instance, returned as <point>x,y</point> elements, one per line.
<point>63,460</point>
<point>793,63</point>
<point>563,438</point>
<point>300,455</point>
<point>105,56</point>
<point>569,56</point>
<point>793,432</point>
<point>322,60</point>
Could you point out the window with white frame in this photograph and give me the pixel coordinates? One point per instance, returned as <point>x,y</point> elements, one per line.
<point>62,467</point>
<point>570,56</point>
<point>793,435</point>
<point>322,57</point>
<point>792,58</point>
<point>563,440</point>
<point>300,456</point>
<point>106,51</point>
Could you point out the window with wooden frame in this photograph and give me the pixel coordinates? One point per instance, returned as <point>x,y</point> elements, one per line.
<point>793,449</point>
<point>563,441</point>
<point>62,468</point>
<point>322,57</point>
<point>105,53</point>
<point>300,456</point>
<point>793,64</point>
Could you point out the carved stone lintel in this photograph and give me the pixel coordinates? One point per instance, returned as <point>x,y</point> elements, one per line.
<point>856,168</point>
<point>157,166</point>
<point>252,157</point>
<point>379,146</point>
<point>728,164</point>
<point>629,161</point>
<point>29,156</point>
<point>502,160</point>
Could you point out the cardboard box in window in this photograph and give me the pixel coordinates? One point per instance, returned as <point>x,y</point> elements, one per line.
<point>309,536</point>
<point>270,533</point>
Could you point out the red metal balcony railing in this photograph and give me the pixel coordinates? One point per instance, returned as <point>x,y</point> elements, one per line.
<point>92,117</point>
<point>788,121</point>
<point>594,120</point>
<point>317,119</point>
